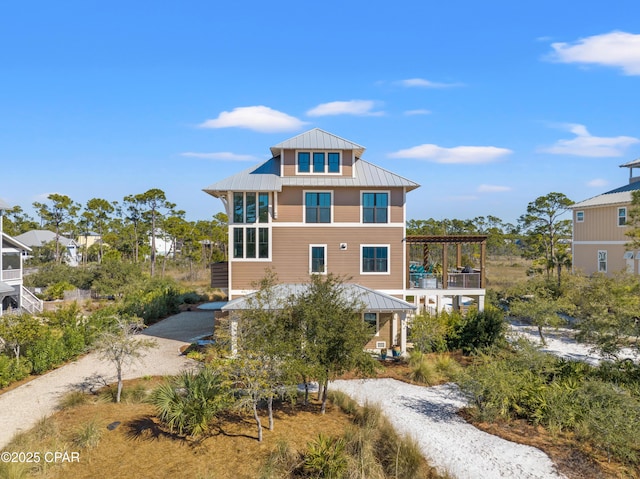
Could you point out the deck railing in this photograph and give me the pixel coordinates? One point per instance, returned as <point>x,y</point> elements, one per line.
<point>8,274</point>
<point>455,281</point>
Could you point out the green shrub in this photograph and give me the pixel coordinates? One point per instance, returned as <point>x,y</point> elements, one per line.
<point>56,290</point>
<point>326,457</point>
<point>479,330</point>
<point>11,370</point>
<point>46,352</point>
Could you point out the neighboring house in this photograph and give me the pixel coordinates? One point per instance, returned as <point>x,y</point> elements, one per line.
<point>13,295</point>
<point>599,227</point>
<point>69,248</point>
<point>317,207</point>
<point>164,244</point>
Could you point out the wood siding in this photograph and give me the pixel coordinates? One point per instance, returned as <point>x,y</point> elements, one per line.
<point>290,255</point>
<point>600,224</point>
<point>290,169</point>
<point>346,204</point>
<point>385,332</point>
<point>585,258</point>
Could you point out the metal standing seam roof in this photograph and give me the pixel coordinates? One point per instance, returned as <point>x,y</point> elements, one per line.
<point>11,240</point>
<point>374,301</point>
<point>265,177</point>
<point>4,205</point>
<point>317,139</point>
<point>621,194</point>
<point>631,164</point>
<point>5,288</point>
<point>40,237</point>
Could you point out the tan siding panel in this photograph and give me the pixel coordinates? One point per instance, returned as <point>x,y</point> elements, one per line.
<point>290,255</point>
<point>600,224</point>
<point>289,163</point>
<point>585,258</point>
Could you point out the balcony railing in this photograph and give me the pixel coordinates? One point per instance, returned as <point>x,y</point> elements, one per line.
<point>455,281</point>
<point>9,274</point>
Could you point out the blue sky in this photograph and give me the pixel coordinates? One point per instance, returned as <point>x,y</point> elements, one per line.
<point>487,105</point>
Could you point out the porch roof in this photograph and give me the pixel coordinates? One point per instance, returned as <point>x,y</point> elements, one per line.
<point>373,301</point>
<point>5,288</point>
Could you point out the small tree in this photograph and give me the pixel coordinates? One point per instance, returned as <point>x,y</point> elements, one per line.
<point>18,330</point>
<point>121,347</point>
<point>333,330</point>
<point>541,308</point>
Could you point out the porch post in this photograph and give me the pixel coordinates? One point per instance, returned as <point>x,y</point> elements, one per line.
<point>445,266</point>
<point>403,332</point>
<point>394,329</point>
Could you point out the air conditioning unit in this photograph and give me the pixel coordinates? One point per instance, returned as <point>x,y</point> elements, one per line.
<point>381,344</point>
<point>343,246</point>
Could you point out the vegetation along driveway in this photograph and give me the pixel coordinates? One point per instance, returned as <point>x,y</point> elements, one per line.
<point>23,406</point>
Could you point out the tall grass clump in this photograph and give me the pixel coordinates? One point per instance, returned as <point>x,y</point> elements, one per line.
<point>73,399</point>
<point>88,435</point>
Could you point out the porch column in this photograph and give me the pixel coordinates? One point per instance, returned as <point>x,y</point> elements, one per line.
<point>459,255</point>
<point>481,303</point>
<point>445,266</point>
<point>483,252</point>
<point>394,329</point>
<point>403,332</point>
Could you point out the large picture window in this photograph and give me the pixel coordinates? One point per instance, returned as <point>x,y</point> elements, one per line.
<point>375,207</point>
<point>375,259</point>
<point>317,207</point>
<point>250,242</point>
<point>250,207</point>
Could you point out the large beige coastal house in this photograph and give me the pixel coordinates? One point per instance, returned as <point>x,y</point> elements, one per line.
<point>317,207</point>
<point>599,226</point>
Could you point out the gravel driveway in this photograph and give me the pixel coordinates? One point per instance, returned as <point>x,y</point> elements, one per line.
<point>22,407</point>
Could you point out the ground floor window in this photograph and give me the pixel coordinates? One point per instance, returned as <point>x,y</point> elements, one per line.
<point>371,319</point>
<point>317,258</point>
<point>250,242</point>
<point>602,261</point>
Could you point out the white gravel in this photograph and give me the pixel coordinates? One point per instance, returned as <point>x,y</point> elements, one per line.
<point>450,444</point>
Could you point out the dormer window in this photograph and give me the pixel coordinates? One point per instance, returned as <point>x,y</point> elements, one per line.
<point>318,162</point>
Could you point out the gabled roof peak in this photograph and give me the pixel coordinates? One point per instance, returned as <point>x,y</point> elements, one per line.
<point>317,139</point>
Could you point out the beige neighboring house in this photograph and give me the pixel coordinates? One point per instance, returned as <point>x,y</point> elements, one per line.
<point>599,227</point>
<point>13,295</point>
<point>318,207</point>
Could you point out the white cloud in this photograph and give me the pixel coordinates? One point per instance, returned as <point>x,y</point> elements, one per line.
<point>422,83</point>
<point>584,144</point>
<point>221,155</point>
<point>597,183</point>
<point>459,154</point>
<point>417,112</point>
<point>615,49</point>
<point>352,107</point>
<point>257,118</point>
<point>493,188</point>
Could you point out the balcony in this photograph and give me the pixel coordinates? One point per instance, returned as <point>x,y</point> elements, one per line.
<point>422,275</point>
<point>11,274</point>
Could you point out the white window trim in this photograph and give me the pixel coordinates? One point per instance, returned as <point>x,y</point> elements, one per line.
<point>606,261</point>
<point>388,192</point>
<point>618,217</point>
<point>388,246</point>
<point>304,206</point>
<point>326,163</point>
<point>377,321</point>
<point>244,242</point>
<point>578,213</point>
<point>326,266</point>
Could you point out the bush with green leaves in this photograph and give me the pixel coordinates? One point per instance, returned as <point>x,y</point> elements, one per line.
<point>558,394</point>
<point>326,457</point>
<point>479,330</point>
<point>434,333</point>
<point>11,371</point>
<point>189,402</point>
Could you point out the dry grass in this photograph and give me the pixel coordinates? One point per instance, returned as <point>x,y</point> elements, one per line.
<point>140,448</point>
<point>504,272</point>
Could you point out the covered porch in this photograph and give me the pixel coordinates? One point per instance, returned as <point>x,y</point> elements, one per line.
<point>440,277</point>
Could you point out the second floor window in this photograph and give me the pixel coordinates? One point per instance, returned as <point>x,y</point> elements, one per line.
<point>579,216</point>
<point>375,259</point>
<point>375,207</point>
<point>250,207</point>
<point>317,207</point>
<point>622,216</point>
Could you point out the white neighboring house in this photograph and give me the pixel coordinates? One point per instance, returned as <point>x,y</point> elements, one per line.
<point>13,295</point>
<point>69,247</point>
<point>164,244</point>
